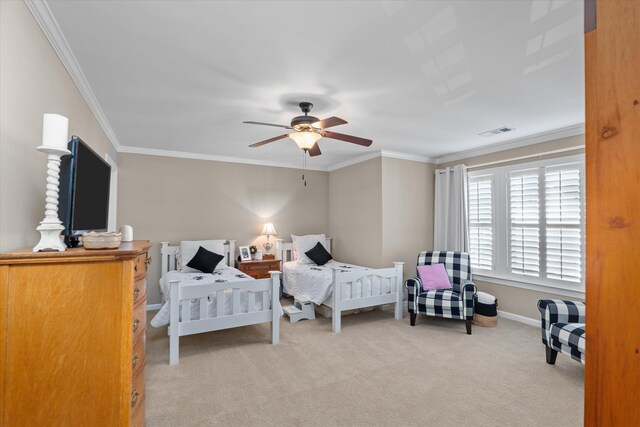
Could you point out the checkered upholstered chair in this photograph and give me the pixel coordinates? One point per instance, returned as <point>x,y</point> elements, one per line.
<point>456,303</point>
<point>563,328</point>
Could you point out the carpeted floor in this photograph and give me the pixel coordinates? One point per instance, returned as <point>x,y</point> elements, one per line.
<point>378,371</point>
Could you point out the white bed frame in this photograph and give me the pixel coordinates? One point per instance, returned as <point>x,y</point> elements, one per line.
<point>341,279</point>
<point>182,298</point>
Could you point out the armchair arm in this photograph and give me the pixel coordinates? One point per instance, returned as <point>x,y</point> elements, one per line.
<point>468,291</point>
<point>413,285</point>
<point>559,311</point>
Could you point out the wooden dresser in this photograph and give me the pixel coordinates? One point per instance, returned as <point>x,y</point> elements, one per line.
<point>258,269</point>
<point>72,336</point>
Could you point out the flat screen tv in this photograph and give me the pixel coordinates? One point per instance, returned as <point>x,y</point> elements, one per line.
<point>85,178</point>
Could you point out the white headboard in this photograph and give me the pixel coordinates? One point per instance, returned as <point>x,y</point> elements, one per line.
<point>284,251</point>
<point>168,255</point>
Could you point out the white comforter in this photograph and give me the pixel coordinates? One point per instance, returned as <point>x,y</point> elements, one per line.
<point>228,274</point>
<point>313,282</point>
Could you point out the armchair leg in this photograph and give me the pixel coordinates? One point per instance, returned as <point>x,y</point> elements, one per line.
<point>468,325</point>
<point>551,355</point>
<point>412,319</point>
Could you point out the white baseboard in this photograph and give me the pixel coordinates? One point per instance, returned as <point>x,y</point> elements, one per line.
<point>522,319</point>
<point>151,307</point>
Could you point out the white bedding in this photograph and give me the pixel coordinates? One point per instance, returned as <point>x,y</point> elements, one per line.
<point>227,274</point>
<point>313,282</point>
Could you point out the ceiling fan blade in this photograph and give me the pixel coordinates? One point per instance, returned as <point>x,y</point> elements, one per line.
<point>269,124</point>
<point>266,141</point>
<point>315,150</point>
<point>347,138</point>
<point>327,123</point>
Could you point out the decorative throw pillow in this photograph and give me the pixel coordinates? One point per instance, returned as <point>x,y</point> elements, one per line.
<point>319,254</point>
<point>205,261</point>
<point>301,244</point>
<point>433,277</point>
<point>188,249</point>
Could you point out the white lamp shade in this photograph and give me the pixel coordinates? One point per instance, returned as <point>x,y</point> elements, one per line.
<point>305,140</point>
<point>268,230</point>
<point>55,131</point>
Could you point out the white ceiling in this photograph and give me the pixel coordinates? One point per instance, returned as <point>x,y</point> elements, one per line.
<point>421,78</point>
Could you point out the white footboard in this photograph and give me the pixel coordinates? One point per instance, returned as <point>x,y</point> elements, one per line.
<point>262,305</point>
<point>376,286</point>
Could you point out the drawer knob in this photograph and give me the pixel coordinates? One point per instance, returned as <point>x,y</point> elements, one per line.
<point>148,261</point>
<point>134,397</point>
<point>136,291</point>
<point>135,267</point>
<point>134,360</point>
<point>136,324</point>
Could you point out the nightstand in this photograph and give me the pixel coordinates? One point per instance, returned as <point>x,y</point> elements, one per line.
<point>258,269</point>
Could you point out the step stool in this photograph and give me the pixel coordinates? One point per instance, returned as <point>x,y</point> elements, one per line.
<point>301,309</point>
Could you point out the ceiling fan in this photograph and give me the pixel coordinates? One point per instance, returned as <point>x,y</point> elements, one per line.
<point>307,130</point>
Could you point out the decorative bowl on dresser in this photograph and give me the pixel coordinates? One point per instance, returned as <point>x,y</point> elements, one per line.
<point>72,336</point>
<point>259,269</point>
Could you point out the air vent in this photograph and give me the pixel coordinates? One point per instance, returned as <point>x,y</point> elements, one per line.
<point>497,131</point>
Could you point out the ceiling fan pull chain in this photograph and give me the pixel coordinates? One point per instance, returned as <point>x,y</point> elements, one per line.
<point>304,166</point>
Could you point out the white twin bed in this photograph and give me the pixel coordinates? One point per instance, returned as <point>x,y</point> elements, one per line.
<point>197,302</point>
<point>340,287</point>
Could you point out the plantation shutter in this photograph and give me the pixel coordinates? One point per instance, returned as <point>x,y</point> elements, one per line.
<point>563,222</point>
<point>525,231</point>
<point>481,222</point>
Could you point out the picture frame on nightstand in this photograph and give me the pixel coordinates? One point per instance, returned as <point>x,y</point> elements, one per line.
<point>245,255</point>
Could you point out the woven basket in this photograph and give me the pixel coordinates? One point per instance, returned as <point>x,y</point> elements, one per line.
<point>486,321</point>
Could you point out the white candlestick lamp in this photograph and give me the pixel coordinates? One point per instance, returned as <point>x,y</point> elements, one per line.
<point>55,132</point>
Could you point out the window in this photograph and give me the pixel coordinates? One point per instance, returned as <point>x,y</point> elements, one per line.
<point>524,210</point>
<point>526,223</point>
<point>481,222</point>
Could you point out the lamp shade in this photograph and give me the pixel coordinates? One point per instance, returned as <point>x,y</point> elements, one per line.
<point>306,139</point>
<point>55,131</point>
<point>268,230</point>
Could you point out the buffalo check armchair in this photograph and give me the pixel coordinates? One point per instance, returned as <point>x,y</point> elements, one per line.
<point>563,328</point>
<point>456,303</point>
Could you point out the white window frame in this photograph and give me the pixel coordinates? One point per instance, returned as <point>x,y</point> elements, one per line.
<point>501,273</point>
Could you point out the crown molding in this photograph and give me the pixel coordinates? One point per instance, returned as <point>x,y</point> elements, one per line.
<point>355,160</point>
<point>404,156</point>
<point>538,138</point>
<point>211,158</point>
<point>380,153</point>
<point>230,159</point>
<point>49,26</point>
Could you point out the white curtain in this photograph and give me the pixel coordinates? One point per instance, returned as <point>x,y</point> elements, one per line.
<point>450,228</point>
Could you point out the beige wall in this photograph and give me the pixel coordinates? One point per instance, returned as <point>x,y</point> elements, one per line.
<point>33,81</point>
<point>355,213</point>
<point>381,211</point>
<point>407,211</point>
<point>176,199</point>
<point>522,302</point>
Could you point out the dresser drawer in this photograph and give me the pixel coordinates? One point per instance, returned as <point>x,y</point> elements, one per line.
<point>140,265</point>
<point>139,290</point>
<point>138,355</point>
<point>139,321</point>
<point>137,392</point>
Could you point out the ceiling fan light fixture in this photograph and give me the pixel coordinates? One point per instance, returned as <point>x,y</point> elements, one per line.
<point>305,139</point>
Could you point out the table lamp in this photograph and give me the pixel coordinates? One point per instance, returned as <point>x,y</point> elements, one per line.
<point>268,230</point>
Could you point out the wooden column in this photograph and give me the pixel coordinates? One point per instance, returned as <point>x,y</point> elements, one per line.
<point>612,53</point>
